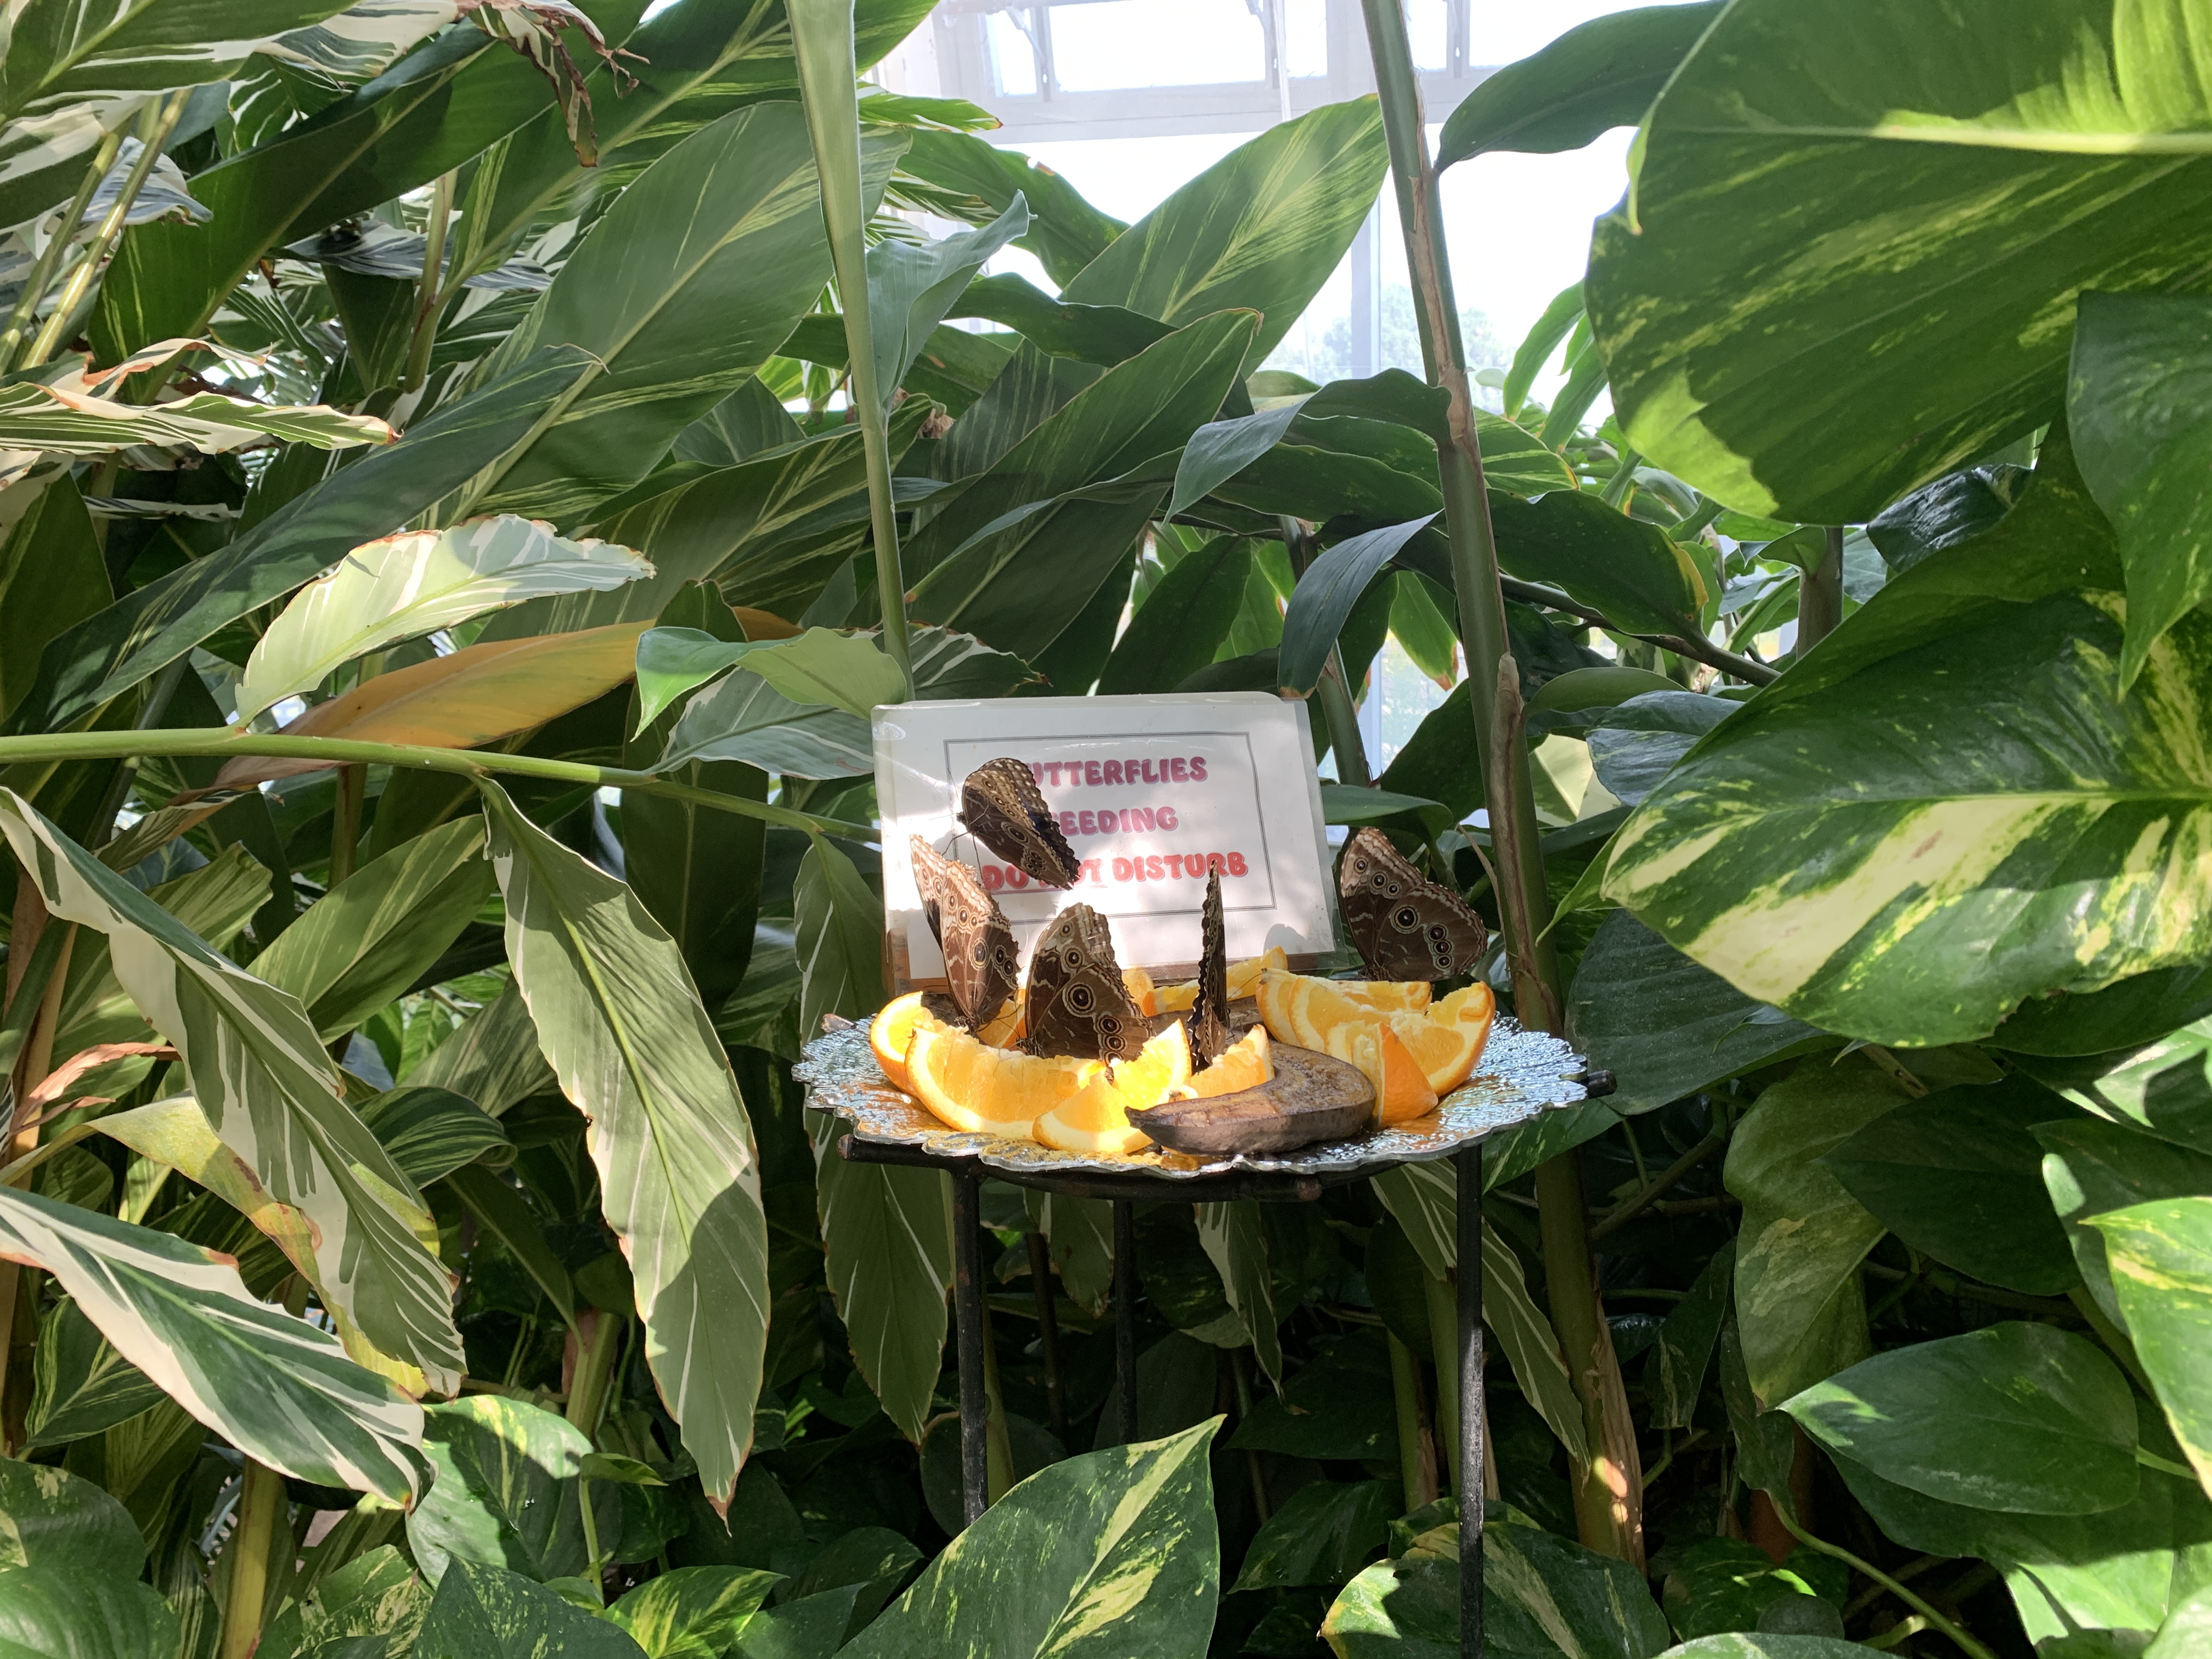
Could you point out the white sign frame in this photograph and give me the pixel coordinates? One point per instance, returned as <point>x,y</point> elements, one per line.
<point>1231,773</point>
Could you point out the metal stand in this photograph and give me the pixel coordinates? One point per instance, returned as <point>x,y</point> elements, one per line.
<point>1124,1191</point>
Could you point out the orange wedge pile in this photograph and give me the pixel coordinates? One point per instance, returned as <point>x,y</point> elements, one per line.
<point>1412,1038</point>
<point>1245,1064</point>
<point>1243,977</point>
<point>1095,1117</point>
<point>981,1090</point>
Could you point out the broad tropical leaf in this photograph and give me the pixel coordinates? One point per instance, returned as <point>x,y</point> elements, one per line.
<point>508,1492</point>
<point>82,1383</point>
<point>1236,1241</point>
<point>2092,1168</point>
<point>278,1388</point>
<point>1866,199</point>
<point>839,922</point>
<point>62,1609</point>
<point>1065,233</point>
<point>415,583</point>
<point>112,651</point>
<point>2161,1257</point>
<point>619,1019</point>
<point>53,1517</point>
<point>271,1094</point>
<point>431,1132</point>
<point>37,419</point>
<point>911,288</point>
<point>690,1613</point>
<point>1324,597</point>
<point>819,668</point>
<point>493,1059</point>
<point>744,718</point>
<point>1183,622</point>
<point>489,1613</point>
<point>1115,1552</point>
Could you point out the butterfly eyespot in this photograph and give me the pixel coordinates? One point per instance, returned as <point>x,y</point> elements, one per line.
<point>1406,918</point>
<point>1079,998</point>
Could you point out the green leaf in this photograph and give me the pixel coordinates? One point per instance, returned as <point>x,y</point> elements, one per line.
<point>1065,233</point>
<point>494,1059</point>
<point>500,1211</point>
<point>508,1492</point>
<point>279,1388</point>
<point>888,1235</point>
<point>1182,623</point>
<point>1600,76</point>
<point>1722,1585</point>
<point>1802,1235</point>
<point>744,718</point>
<point>685,287</point>
<point>1260,230</point>
<point>1324,598</point>
<point>819,669</point>
<point>2127,1014</point>
<point>52,575</point>
<point>1664,1025</point>
<point>1115,1552</point>
<point>272,1094</point>
<point>73,1612</point>
<point>1641,579</point>
<point>692,1613</point>
<point>1104,334</point>
<point>679,1179</point>
<point>489,1613</point>
<point>1795,220</point>
<point>1958,1175</point>
<point>2186,1629</point>
<point>415,583</point>
<point>2161,1257</point>
<point>49,1517</point>
<point>374,934</point>
<point>112,651</point>
<point>838,921</point>
<point>1081,1233</point>
<point>698,871</point>
<point>431,1132</point>
<point>2002,820</point>
<point>1956,507</point>
<point>35,417</point>
<point>1320,1536</point>
<point>912,287</point>
<point>1633,746</point>
<point>376,1593</point>
<point>2091,1168</point>
<point>1234,1239</point>
<point>81,1384</point>
<point>805,1627</point>
<point>1219,450</point>
<point>2015,1417</point>
<point>1674,1376</point>
<point>1562,318</point>
<point>1021,587</point>
<point>2135,399</point>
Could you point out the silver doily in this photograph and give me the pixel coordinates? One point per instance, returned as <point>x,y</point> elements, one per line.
<point>1521,1075</point>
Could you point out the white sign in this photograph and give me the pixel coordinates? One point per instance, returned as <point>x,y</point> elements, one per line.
<point>1151,793</point>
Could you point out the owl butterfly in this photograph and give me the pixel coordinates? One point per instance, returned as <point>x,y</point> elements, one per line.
<point>1405,926</point>
<point>1077,1002</point>
<point>1002,807</point>
<point>1209,1015</point>
<point>971,931</point>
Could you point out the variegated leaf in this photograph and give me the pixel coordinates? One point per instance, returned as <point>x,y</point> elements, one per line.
<point>744,718</point>
<point>271,1094</point>
<point>493,1059</point>
<point>1949,806</point>
<point>617,1015</point>
<point>278,1388</point>
<point>819,668</point>
<point>37,420</point>
<point>83,1384</point>
<point>416,582</point>
<point>2161,1255</point>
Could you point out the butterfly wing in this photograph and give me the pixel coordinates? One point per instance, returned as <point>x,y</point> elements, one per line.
<point>1003,808</point>
<point>1077,1002</point>
<point>1404,926</point>
<point>1210,1035</point>
<point>980,961</point>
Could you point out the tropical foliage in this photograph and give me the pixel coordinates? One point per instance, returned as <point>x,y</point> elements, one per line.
<point>467,473</point>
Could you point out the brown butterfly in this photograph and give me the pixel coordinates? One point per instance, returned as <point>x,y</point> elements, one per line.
<point>1209,1015</point>
<point>1077,1002</point>
<point>1405,926</point>
<point>1003,808</point>
<point>972,931</point>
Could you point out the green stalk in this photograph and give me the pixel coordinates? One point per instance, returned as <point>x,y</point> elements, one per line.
<point>1612,1526</point>
<point>1820,594</point>
<point>1406,1395</point>
<point>65,238</point>
<point>588,1388</point>
<point>822,34</point>
<point>260,1505</point>
<point>1925,1609</point>
<point>430,298</point>
<point>155,123</point>
<point>1443,1347</point>
<point>221,743</point>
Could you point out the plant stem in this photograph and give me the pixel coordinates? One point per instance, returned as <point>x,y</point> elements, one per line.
<point>57,244</point>
<point>1240,1374</point>
<point>345,821</point>
<point>1820,594</point>
<point>1631,1208</point>
<point>1414,1476</point>
<point>822,35</point>
<point>222,742</point>
<point>155,122</point>
<point>588,1388</point>
<point>1924,1609</point>
<point>1339,716</point>
<point>260,1504</point>
<point>1748,669</point>
<point>1443,1351</point>
<point>431,297</point>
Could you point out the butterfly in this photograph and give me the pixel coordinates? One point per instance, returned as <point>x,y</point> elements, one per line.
<point>971,931</point>
<point>1405,926</point>
<point>1003,808</point>
<point>1209,1015</point>
<point>1077,1002</point>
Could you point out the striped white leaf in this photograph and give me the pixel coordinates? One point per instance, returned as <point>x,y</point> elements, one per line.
<point>417,583</point>
<point>278,1388</point>
<point>37,420</point>
<point>271,1094</point>
<point>744,718</point>
<point>363,38</point>
<point>619,1017</point>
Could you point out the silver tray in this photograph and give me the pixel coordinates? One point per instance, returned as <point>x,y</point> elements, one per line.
<point>1521,1075</point>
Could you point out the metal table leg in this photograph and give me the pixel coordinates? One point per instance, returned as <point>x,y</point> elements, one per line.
<point>1125,1317</point>
<point>968,1312</point>
<point>1055,1388</point>
<point>1471,1413</point>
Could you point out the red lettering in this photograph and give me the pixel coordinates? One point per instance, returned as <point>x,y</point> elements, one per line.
<point>1213,862</point>
<point>1174,864</point>
<point>1093,871</point>
<point>1198,769</point>
<point>1238,867</point>
<point>1152,869</point>
<point>992,881</point>
<point>1086,824</point>
<point>1017,877</point>
<point>1067,823</point>
<point>1165,818</point>
<point>1147,816</point>
<point>1090,773</point>
<point>1052,780</point>
<point>1121,869</point>
<point>1129,770</point>
<point>1178,770</point>
<point>1113,771</point>
<point>1149,778</point>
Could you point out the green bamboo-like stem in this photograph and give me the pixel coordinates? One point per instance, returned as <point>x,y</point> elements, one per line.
<point>1821,593</point>
<point>1414,1476</point>
<point>430,292</point>
<point>345,821</point>
<point>65,237</point>
<point>154,126</point>
<point>822,35</point>
<point>221,743</point>
<point>587,1388</point>
<point>1443,1348</point>
<point>261,1505</point>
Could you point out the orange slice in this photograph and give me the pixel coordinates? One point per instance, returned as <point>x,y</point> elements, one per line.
<point>1474,1005</point>
<point>1385,994</point>
<point>1301,1010</point>
<point>1401,1090</point>
<point>1176,999</point>
<point>1141,990</point>
<point>1095,1118</point>
<point>981,1090</point>
<point>1246,1064</point>
<point>1244,976</point>
<point>1005,1030</point>
<point>893,1031</point>
<point>1445,1050</point>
